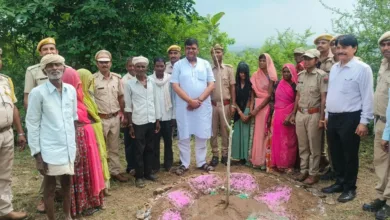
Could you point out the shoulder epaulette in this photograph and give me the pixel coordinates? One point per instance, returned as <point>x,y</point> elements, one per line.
<point>228,65</point>
<point>34,66</point>
<point>117,75</point>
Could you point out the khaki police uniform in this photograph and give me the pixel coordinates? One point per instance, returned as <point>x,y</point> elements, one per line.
<point>327,62</point>
<point>106,94</point>
<point>7,100</point>
<point>218,122</point>
<point>34,77</point>
<point>381,158</point>
<point>310,86</point>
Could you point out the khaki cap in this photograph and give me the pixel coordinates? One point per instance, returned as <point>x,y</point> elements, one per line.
<point>385,36</point>
<point>174,47</point>
<point>327,37</point>
<point>45,41</point>
<point>103,55</point>
<point>312,53</point>
<point>216,47</point>
<point>299,50</point>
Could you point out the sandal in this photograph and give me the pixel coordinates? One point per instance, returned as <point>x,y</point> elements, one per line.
<point>181,170</point>
<point>206,167</point>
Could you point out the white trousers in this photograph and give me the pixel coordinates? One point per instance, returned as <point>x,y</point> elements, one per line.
<point>200,151</point>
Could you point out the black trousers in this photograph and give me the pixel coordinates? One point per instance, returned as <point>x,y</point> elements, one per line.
<point>129,149</point>
<point>344,147</point>
<point>166,133</point>
<point>144,143</point>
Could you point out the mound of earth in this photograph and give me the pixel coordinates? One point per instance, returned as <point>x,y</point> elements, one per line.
<point>253,197</point>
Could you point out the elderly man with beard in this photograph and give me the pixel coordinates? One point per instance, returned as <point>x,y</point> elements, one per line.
<point>174,56</point>
<point>50,120</point>
<point>143,113</point>
<point>349,108</point>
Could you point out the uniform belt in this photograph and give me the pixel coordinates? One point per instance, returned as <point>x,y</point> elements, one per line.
<point>225,102</point>
<point>309,110</point>
<point>107,116</point>
<point>382,118</point>
<point>5,129</point>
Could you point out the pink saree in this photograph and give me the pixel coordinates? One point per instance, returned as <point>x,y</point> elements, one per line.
<point>93,156</point>
<point>260,83</point>
<point>284,139</point>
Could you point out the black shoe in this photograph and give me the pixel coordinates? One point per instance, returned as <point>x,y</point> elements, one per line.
<point>330,175</point>
<point>333,188</point>
<point>383,213</point>
<point>151,177</point>
<point>224,160</point>
<point>374,206</point>
<point>347,196</point>
<point>214,161</point>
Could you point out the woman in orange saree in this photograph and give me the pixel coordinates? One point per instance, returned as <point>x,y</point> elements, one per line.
<point>262,85</point>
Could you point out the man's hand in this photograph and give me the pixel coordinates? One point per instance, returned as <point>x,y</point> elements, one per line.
<point>131,132</point>
<point>232,110</point>
<point>40,164</point>
<point>326,124</point>
<point>292,119</point>
<point>385,146</point>
<point>321,124</point>
<point>22,142</point>
<point>157,127</point>
<point>193,104</point>
<point>361,130</point>
<point>286,121</point>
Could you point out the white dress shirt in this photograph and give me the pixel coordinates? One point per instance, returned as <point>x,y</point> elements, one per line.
<point>351,89</point>
<point>50,123</point>
<point>142,102</point>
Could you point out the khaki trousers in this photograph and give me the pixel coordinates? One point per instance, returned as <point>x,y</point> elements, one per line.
<point>309,139</point>
<point>381,164</point>
<point>111,130</point>
<point>219,126</point>
<point>6,162</point>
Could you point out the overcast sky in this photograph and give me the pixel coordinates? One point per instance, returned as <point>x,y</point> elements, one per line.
<point>250,22</point>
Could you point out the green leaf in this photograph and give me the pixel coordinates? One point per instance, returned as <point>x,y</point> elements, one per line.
<point>215,19</point>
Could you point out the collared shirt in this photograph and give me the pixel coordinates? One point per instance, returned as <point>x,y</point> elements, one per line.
<point>351,89</point>
<point>126,77</point>
<point>166,115</point>
<point>168,67</point>
<point>107,92</point>
<point>327,62</point>
<point>142,102</point>
<point>50,123</point>
<point>381,96</point>
<point>228,79</point>
<point>193,79</point>
<point>34,77</point>
<point>310,86</point>
<point>7,100</point>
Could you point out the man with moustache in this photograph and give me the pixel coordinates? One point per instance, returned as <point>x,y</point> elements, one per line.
<point>298,52</point>
<point>322,43</point>
<point>349,108</point>
<point>381,144</point>
<point>51,120</point>
<point>109,99</point>
<point>193,81</point>
<point>174,56</point>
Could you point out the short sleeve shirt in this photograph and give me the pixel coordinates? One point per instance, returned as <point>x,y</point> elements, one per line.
<point>7,99</point>
<point>107,92</point>
<point>33,78</point>
<point>381,96</point>
<point>310,86</point>
<point>228,79</point>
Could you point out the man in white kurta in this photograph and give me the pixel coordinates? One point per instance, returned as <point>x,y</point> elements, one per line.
<point>193,81</point>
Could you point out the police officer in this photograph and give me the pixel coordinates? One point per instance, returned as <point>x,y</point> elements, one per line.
<point>109,99</point>
<point>310,104</point>
<point>174,53</point>
<point>225,73</point>
<point>9,115</point>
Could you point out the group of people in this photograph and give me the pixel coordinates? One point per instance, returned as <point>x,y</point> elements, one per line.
<point>74,119</point>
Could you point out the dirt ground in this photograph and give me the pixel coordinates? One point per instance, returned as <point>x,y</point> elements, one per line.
<point>126,199</point>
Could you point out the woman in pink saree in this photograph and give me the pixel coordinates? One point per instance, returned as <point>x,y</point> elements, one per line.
<point>262,84</point>
<point>284,139</point>
<point>87,182</point>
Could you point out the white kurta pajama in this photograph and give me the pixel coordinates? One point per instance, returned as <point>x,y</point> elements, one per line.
<point>193,80</point>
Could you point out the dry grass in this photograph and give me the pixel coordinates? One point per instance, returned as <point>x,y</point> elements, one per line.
<point>126,198</point>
